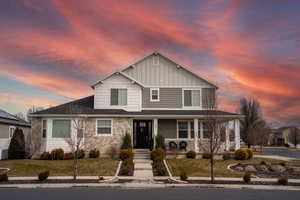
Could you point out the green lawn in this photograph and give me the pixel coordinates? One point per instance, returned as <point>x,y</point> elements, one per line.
<point>87,167</point>
<point>201,167</point>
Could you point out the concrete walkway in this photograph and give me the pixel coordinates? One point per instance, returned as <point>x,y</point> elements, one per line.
<point>275,157</point>
<point>142,165</point>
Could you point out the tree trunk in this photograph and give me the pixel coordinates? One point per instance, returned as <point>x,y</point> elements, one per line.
<point>75,167</point>
<point>212,176</point>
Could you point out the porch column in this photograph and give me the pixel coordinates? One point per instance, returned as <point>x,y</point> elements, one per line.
<point>155,127</point>
<point>227,139</point>
<point>237,133</point>
<point>196,135</point>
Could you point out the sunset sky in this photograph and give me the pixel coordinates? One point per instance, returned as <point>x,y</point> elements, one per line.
<point>52,51</point>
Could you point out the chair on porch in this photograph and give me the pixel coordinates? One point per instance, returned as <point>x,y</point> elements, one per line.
<point>183,145</point>
<point>172,145</point>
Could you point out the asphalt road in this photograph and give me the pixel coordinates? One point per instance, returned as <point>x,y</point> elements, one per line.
<point>145,194</point>
<point>283,152</point>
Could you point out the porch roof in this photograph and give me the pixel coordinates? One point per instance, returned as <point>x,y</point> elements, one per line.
<point>85,107</point>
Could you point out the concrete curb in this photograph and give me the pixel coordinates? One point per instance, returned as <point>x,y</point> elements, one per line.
<point>145,186</point>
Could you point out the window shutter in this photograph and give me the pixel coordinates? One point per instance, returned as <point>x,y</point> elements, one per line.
<point>187,98</point>
<point>114,97</point>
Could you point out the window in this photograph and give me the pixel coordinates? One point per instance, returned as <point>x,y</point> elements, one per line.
<point>118,97</point>
<point>206,130</point>
<point>154,93</point>
<point>80,127</point>
<point>191,98</point>
<point>104,127</point>
<point>44,128</point>
<point>183,129</point>
<point>61,128</point>
<point>11,131</point>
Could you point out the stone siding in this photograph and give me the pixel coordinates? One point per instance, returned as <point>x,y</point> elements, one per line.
<point>121,126</point>
<point>35,135</point>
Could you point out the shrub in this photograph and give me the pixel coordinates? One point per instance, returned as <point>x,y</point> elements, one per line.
<point>126,142</point>
<point>57,154</point>
<point>127,167</point>
<point>191,154</point>
<point>160,142</point>
<point>283,180</point>
<point>45,156</point>
<point>81,154</point>
<point>3,177</point>
<point>206,155</point>
<point>43,175</point>
<point>126,154</point>
<point>112,152</point>
<point>247,178</point>
<point>263,163</point>
<point>69,156</point>
<point>241,154</point>
<point>183,175</point>
<point>16,149</point>
<point>250,153</point>
<point>94,153</point>
<point>226,156</point>
<point>158,154</point>
<point>159,168</point>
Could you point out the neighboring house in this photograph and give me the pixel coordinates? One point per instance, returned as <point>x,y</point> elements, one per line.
<point>285,136</point>
<point>152,96</point>
<point>8,124</point>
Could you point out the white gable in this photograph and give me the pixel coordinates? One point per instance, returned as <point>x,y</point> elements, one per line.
<point>102,93</point>
<point>158,71</point>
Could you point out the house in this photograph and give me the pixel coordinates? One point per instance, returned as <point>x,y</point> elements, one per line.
<point>289,136</point>
<point>154,95</point>
<point>8,124</point>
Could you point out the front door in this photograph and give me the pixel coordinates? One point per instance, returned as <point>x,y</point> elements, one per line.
<point>142,135</point>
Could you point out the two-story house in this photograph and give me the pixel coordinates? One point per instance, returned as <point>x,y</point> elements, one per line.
<point>152,96</point>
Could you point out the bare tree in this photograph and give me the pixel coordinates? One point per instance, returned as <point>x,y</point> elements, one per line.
<point>79,128</point>
<point>20,115</point>
<point>213,128</point>
<point>250,108</point>
<point>31,110</point>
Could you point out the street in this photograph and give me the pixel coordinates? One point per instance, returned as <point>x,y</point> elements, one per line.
<point>282,152</point>
<point>145,194</point>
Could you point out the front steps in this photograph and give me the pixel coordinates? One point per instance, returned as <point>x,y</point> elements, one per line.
<point>142,165</point>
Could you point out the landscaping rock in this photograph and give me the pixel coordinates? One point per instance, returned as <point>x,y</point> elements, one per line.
<point>277,168</point>
<point>250,168</point>
<point>262,168</point>
<point>239,168</point>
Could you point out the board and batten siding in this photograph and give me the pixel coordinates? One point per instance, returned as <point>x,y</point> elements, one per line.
<point>102,93</point>
<point>163,74</point>
<point>168,98</point>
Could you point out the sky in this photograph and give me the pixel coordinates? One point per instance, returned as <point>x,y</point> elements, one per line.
<point>52,51</point>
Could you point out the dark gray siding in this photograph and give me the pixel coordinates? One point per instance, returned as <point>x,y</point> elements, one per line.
<point>169,98</point>
<point>167,128</point>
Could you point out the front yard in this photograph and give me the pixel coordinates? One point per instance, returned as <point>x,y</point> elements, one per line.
<point>87,167</point>
<point>201,167</point>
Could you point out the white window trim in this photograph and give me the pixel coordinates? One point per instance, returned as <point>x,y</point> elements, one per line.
<point>192,107</point>
<point>46,128</point>
<point>189,129</point>
<point>111,124</point>
<point>154,100</point>
<point>118,106</point>
<point>71,128</point>
<point>11,127</point>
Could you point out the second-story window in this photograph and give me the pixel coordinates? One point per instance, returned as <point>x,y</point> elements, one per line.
<point>154,94</point>
<point>118,97</point>
<point>191,98</point>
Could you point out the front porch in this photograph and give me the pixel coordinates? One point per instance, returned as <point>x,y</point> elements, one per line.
<point>193,132</point>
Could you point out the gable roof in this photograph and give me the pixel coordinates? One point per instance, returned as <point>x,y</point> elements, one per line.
<point>7,118</point>
<point>154,53</point>
<point>175,63</point>
<point>117,73</point>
